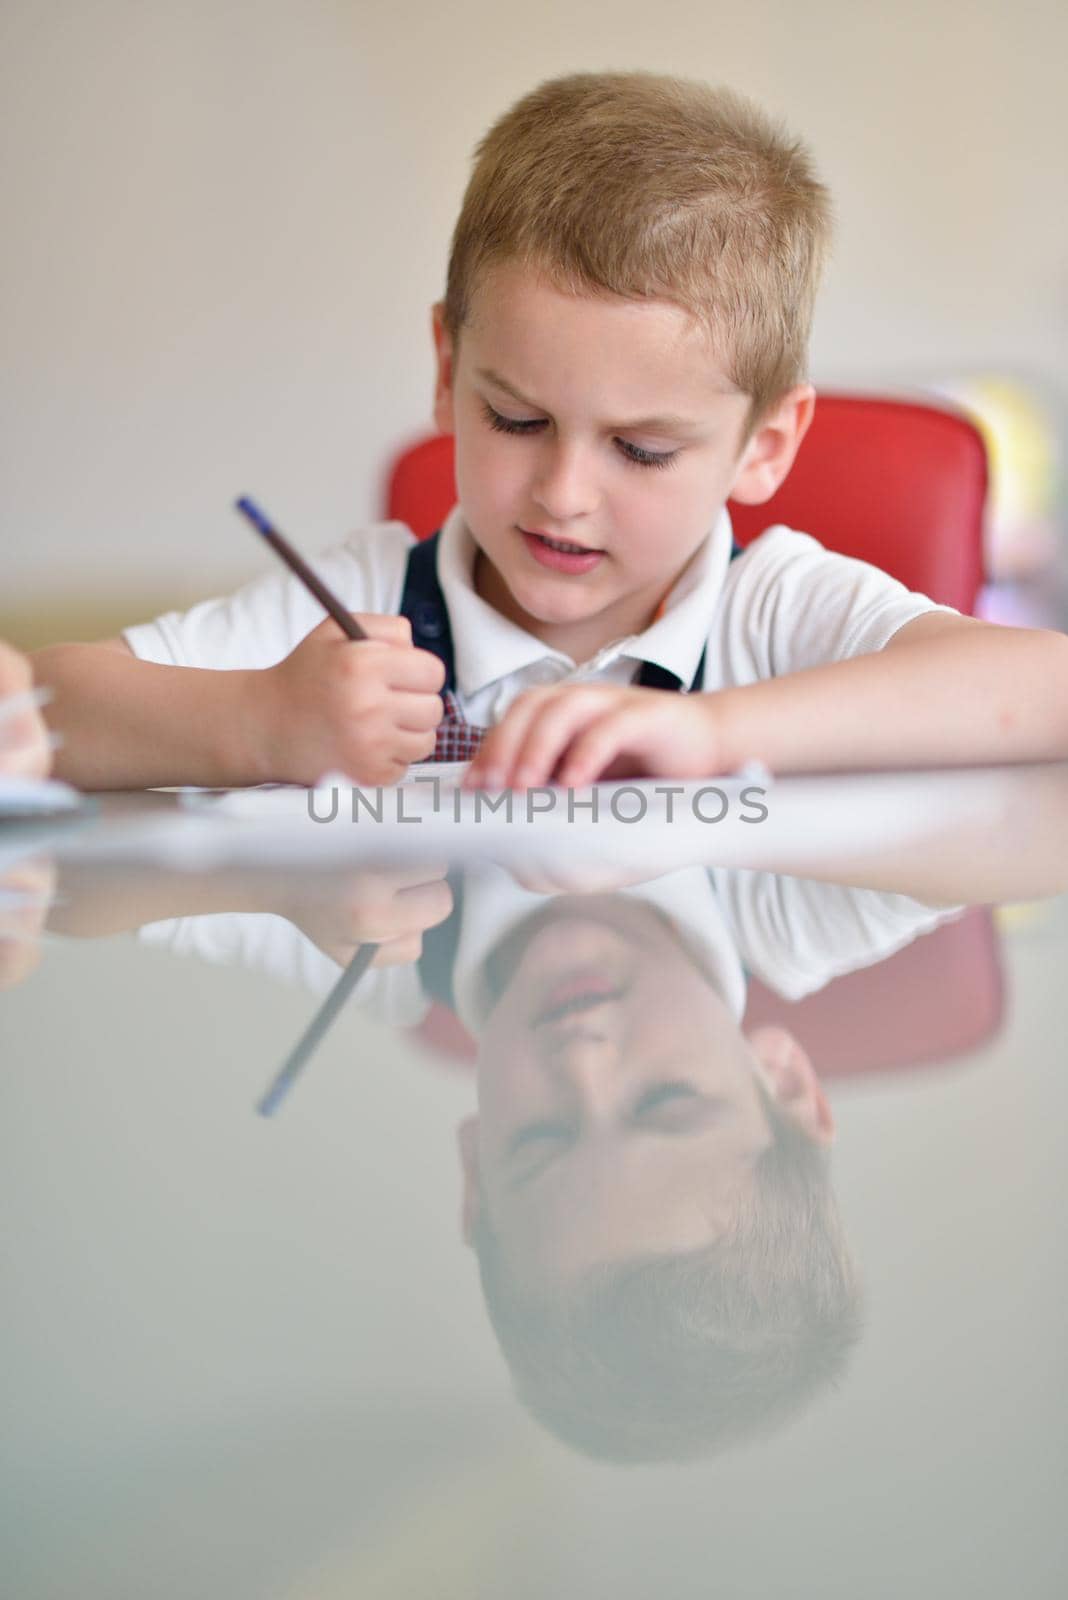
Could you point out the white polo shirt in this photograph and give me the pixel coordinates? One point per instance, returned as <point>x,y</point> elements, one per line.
<point>785,604</point>
<point>794,934</point>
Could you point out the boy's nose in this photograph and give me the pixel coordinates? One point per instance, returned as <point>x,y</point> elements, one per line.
<point>586,1068</point>
<point>565,486</point>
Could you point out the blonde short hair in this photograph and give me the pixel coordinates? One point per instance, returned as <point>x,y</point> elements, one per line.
<point>672,1357</point>
<point>637,185</point>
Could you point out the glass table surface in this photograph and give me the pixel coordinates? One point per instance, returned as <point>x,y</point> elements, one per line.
<point>546,1207</point>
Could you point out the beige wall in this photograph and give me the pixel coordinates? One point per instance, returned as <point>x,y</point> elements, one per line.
<point>224,222</point>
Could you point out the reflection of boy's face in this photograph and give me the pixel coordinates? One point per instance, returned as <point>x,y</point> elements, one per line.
<point>619,1113</point>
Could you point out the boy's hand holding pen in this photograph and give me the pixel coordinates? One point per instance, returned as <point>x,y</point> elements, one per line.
<point>368,709</point>
<point>369,712</point>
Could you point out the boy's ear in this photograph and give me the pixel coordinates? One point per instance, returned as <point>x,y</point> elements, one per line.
<point>467,1144</point>
<point>792,1080</point>
<point>444,352</point>
<point>769,454</point>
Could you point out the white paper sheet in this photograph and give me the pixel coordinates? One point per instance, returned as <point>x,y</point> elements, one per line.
<point>36,797</point>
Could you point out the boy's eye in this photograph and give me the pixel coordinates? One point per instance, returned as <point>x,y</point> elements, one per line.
<point>533,1147</point>
<point>510,424</point>
<point>677,1107</point>
<point>630,452</point>
<point>539,1134</point>
<point>646,458</point>
<point>663,1099</point>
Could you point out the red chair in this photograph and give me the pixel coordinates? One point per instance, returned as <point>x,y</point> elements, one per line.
<point>935,1000</point>
<point>422,489</point>
<point>895,482</point>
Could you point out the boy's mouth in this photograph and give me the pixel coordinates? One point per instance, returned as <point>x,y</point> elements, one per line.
<point>561,555</point>
<point>580,992</point>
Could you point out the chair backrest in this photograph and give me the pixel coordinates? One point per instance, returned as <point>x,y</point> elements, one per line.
<point>422,487</point>
<point>895,482</point>
<point>938,999</point>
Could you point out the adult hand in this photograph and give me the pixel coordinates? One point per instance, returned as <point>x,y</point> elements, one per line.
<point>26,891</point>
<point>25,748</point>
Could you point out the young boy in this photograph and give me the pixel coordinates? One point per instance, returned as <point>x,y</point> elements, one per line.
<point>620,349</point>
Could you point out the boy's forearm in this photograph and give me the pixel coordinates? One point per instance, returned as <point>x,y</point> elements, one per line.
<point>964,697</point>
<point>130,724</point>
<point>1015,847</point>
<point>91,903</point>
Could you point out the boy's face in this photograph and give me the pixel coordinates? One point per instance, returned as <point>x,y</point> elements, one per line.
<point>618,1109</point>
<point>605,425</point>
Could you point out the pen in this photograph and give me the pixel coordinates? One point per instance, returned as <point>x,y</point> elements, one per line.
<point>294,1062</point>
<point>297,565</point>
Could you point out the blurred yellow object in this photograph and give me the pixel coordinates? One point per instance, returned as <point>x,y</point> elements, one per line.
<point>1022,450</point>
<point>1022,914</point>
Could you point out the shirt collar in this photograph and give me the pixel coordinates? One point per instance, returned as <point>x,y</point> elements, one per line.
<point>488,647</point>
<point>494,904</point>
<point>677,638</point>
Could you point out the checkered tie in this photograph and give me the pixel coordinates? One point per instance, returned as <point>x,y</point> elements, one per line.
<point>457,740</point>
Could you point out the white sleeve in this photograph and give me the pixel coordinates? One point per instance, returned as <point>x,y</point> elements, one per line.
<point>796,934</point>
<point>260,624</point>
<point>265,942</point>
<point>791,604</point>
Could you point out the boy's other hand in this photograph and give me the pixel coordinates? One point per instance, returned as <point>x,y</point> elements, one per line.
<point>367,707</point>
<point>575,734</point>
<point>25,751</point>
